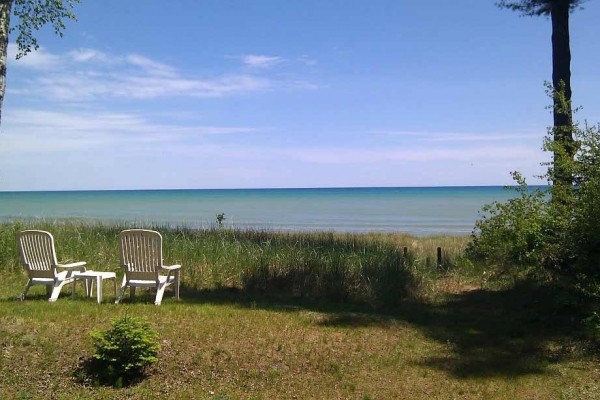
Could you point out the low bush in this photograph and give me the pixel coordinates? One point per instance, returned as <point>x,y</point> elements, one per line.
<point>511,234</point>
<point>124,351</point>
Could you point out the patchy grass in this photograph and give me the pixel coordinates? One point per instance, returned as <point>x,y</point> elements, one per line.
<point>461,341</point>
<point>477,345</point>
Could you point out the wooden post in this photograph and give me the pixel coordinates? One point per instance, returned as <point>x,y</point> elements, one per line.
<point>439,257</point>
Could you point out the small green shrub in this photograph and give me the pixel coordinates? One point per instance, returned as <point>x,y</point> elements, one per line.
<point>512,233</point>
<point>124,350</point>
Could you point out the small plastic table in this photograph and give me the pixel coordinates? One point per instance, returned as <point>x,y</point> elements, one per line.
<point>98,276</point>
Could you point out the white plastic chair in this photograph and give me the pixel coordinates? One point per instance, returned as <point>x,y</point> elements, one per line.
<point>140,252</point>
<point>38,258</point>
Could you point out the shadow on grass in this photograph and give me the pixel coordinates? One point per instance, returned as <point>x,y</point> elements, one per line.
<point>508,333</point>
<point>89,372</point>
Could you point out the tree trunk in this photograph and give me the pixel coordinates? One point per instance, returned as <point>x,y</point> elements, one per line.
<point>561,81</point>
<point>5,7</point>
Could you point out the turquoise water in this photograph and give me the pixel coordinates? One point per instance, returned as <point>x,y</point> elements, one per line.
<point>420,211</point>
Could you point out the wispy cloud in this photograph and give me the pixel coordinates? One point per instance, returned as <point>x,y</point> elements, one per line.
<point>89,74</point>
<point>38,60</point>
<point>44,132</point>
<point>38,131</point>
<point>413,155</point>
<point>261,61</point>
<point>152,67</point>
<point>85,55</point>
<point>89,85</point>
<point>40,146</point>
<point>462,137</point>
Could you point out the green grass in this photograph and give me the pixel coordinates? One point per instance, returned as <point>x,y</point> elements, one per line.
<point>227,339</point>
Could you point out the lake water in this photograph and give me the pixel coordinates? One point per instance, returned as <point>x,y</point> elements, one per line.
<point>419,211</point>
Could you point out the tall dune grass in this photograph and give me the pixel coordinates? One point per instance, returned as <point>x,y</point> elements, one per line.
<point>376,269</point>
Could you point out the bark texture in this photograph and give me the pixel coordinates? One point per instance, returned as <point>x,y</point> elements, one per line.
<point>561,81</point>
<point>5,8</point>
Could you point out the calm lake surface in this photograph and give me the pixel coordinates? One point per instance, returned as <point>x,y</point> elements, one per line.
<point>419,211</point>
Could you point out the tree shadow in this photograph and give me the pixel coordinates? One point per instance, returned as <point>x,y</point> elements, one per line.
<point>511,332</point>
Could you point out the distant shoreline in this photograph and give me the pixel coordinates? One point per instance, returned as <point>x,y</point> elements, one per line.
<point>274,189</point>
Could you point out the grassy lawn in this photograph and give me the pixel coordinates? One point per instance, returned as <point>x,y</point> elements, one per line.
<point>221,341</point>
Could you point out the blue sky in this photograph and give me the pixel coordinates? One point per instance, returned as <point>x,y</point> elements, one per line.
<point>269,93</point>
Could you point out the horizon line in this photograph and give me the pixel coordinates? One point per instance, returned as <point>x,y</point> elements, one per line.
<point>264,188</point>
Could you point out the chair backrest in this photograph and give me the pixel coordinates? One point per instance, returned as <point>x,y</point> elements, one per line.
<point>140,251</point>
<point>37,253</point>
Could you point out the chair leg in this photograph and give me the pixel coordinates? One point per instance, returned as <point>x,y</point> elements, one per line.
<point>73,287</point>
<point>87,287</point>
<point>25,290</point>
<point>160,291</point>
<point>99,289</point>
<point>90,289</point>
<point>115,282</point>
<point>56,291</point>
<point>177,284</point>
<point>122,292</point>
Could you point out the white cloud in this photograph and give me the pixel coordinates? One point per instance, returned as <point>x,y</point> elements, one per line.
<point>38,131</point>
<point>464,137</point>
<point>45,132</point>
<point>415,155</point>
<point>148,87</point>
<point>88,74</point>
<point>259,61</point>
<point>83,149</point>
<point>38,60</point>
<point>86,55</point>
<point>151,67</point>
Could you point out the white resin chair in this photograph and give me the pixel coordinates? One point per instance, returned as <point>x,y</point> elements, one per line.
<point>140,251</point>
<point>38,258</point>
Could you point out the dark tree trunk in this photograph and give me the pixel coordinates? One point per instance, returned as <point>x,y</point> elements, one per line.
<point>5,6</point>
<point>561,80</point>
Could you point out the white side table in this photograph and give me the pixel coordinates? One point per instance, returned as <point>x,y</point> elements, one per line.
<point>98,276</point>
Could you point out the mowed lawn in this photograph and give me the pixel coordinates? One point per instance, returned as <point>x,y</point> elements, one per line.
<point>224,344</point>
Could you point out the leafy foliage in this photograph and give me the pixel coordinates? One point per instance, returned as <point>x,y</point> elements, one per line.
<point>33,14</point>
<point>124,350</point>
<point>220,219</point>
<point>537,7</point>
<point>592,323</point>
<point>585,205</point>
<point>511,233</point>
<point>559,231</point>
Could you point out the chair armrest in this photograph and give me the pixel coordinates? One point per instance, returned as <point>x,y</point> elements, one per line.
<point>75,265</point>
<point>171,267</point>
